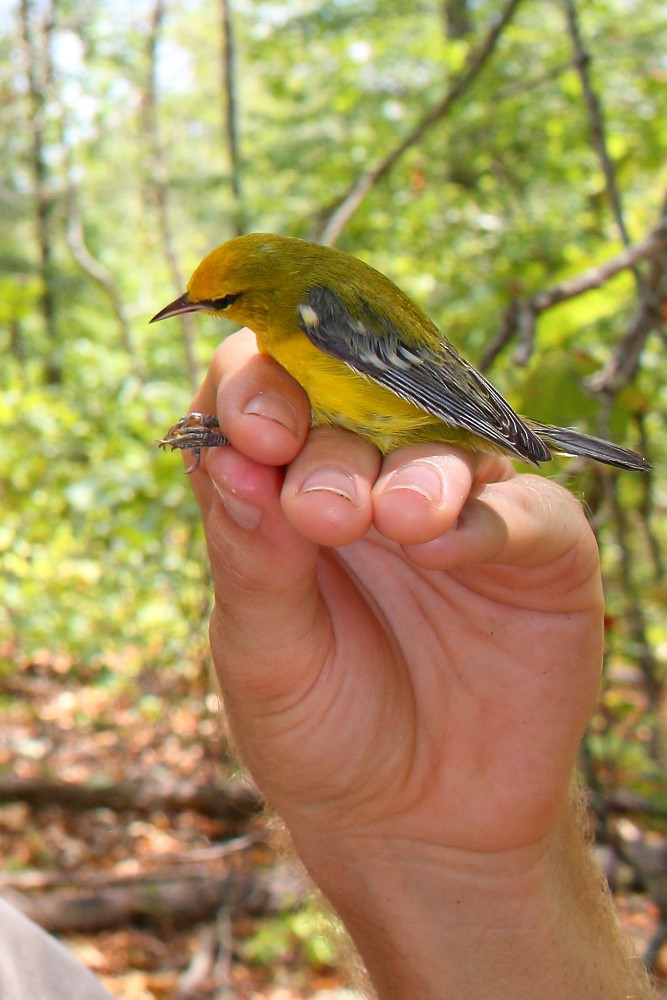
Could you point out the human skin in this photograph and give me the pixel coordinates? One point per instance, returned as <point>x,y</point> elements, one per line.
<point>409,648</point>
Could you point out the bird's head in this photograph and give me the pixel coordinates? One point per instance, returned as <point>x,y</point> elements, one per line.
<point>243,279</point>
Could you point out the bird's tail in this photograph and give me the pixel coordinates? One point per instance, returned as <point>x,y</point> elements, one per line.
<point>568,441</point>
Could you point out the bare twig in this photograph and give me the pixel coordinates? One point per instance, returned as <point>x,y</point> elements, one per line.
<point>76,240</point>
<point>203,855</point>
<point>652,246</point>
<point>222,971</point>
<point>234,803</point>
<point>521,316</point>
<point>38,64</point>
<point>457,18</point>
<point>582,60</point>
<point>178,901</point>
<point>528,84</point>
<point>624,362</point>
<point>329,232</point>
<point>159,186</point>
<point>634,610</point>
<point>181,865</point>
<point>521,313</point>
<point>508,327</point>
<point>646,509</point>
<point>192,979</point>
<point>228,74</point>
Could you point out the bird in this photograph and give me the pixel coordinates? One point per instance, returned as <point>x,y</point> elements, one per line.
<point>369,359</point>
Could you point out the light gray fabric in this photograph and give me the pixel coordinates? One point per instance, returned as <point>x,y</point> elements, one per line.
<point>34,966</point>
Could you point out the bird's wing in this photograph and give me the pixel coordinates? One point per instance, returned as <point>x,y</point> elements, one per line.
<point>439,382</point>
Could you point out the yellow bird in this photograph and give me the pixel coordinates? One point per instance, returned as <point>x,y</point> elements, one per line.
<point>369,359</point>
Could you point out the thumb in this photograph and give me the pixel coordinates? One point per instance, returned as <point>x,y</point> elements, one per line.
<point>267,611</point>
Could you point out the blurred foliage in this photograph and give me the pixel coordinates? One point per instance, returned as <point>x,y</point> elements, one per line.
<point>305,936</point>
<point>100,552</point>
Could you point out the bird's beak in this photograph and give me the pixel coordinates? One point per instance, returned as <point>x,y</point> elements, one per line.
<point>179,306</point>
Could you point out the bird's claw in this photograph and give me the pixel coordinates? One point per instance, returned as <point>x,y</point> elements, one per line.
<point>193,432</point>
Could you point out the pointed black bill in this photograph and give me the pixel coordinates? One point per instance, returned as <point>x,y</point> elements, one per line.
<point>176,308</point>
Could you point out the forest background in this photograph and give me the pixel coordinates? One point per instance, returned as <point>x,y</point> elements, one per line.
<point>503,162</point>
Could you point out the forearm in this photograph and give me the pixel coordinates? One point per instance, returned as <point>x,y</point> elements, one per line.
<point>431,924</point>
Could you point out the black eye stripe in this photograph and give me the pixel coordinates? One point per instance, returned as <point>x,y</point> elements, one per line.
<point>223,303</point>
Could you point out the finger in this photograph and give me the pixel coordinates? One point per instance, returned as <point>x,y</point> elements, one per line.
<point>262,410</point>
<point>326,495</point>
<point>527,523</point>
<point>286,660</point>
<point>423,488</point>
<point>264,583</point>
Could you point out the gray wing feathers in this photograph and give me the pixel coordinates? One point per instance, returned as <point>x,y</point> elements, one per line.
<point>453,392</point>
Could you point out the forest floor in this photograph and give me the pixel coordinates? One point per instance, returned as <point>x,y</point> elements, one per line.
<point>157,732</point>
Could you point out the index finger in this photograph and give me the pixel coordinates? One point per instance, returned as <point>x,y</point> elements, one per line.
<point>261,409</point>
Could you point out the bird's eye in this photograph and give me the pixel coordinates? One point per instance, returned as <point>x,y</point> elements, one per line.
<point>223,303</point>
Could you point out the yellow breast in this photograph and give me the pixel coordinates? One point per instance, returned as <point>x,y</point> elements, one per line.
<point>342,397</point>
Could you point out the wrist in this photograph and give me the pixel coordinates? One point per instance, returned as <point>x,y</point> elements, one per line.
<point>431,923</point>
<point>422,916</point>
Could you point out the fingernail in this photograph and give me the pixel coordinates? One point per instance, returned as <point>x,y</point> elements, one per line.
<point>420,477</point>
<point>273,406</point>
<point>240,511</point>
<point>331,479</point>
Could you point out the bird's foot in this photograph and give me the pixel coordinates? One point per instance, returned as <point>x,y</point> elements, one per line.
<point>193,432</point>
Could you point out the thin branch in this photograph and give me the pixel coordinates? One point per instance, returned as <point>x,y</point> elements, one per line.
<point>521,314</point>
<point>157,867</point>
<point>329,232</point>
<point>634,608</point>
<point>159,186</point>
<point>528,84</point>
<point>582,60</point>
<point>177,902</point>
<point>233,803</point>
<point>508,328</point>
<point>76,240</point>
<point>38,63</point>
<point>228,74</point>
<point>647,506</point>
<point>652,246</point>
<point>624,362</point>
<point>192,979</point>
<point>457,17</point>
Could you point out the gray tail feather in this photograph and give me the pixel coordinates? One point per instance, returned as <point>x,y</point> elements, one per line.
<point>568,441</point>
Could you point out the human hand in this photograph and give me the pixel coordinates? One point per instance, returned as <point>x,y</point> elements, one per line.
<point>407,647</point>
